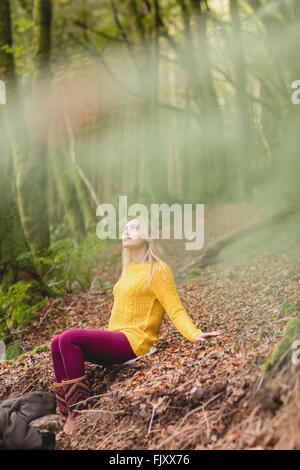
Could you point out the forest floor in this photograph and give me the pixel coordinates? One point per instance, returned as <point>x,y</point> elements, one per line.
<point>209,395</point>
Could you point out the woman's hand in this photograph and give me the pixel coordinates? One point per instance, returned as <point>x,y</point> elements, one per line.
<point>202,336</point>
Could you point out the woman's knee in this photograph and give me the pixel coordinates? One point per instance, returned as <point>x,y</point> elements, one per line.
<point>67,335</point>
<point>55,344</point>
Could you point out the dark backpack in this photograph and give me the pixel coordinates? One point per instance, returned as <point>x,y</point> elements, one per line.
<point>16,416</point>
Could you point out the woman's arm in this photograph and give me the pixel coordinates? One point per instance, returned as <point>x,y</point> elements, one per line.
<point>164,289</point>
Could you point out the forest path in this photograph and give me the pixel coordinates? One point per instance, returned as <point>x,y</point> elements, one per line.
<point>187,395</point>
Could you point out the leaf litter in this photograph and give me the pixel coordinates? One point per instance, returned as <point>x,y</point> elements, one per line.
<point>209,395</point>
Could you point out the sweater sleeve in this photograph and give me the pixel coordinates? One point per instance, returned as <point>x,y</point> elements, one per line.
<point>164,288</point>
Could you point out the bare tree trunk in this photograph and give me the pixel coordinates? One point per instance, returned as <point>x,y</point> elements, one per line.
<point>242,122</point>
<point>204,92</point>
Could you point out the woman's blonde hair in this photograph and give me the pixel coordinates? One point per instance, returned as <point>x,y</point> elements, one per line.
<point>152,249</point>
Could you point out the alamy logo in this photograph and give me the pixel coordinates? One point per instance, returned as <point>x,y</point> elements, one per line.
<point>296,354</point>
<point>296,94</point>
<point>107,227</point>
<point>2,92</point>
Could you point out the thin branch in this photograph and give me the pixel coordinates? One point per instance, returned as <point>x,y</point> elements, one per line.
<point>73,155</point>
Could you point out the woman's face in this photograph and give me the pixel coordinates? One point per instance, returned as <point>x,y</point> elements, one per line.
<point>132,235</point>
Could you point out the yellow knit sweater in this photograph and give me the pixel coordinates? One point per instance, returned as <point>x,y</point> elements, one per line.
<point>138,313</point>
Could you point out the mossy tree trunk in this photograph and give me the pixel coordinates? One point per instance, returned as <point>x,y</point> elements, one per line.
<point>42,16</point>
<point>38,231</point>
<point>29,161</point>
<point>285,349</point>
<point>12,239</point>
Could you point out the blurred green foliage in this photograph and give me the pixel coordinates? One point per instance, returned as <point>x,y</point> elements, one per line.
<point>18,306</point>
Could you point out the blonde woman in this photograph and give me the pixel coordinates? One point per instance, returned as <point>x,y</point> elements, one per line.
<point>143,293</point>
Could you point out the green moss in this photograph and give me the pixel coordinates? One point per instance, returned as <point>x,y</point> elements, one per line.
<point>36,350</point>
<point>13,350</point>
<point>286,309</point>
<point>280,354</point>
<point>8,278</point>
<point>194,274</point>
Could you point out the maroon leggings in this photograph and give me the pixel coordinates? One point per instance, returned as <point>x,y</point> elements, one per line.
<point>71,348</point>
